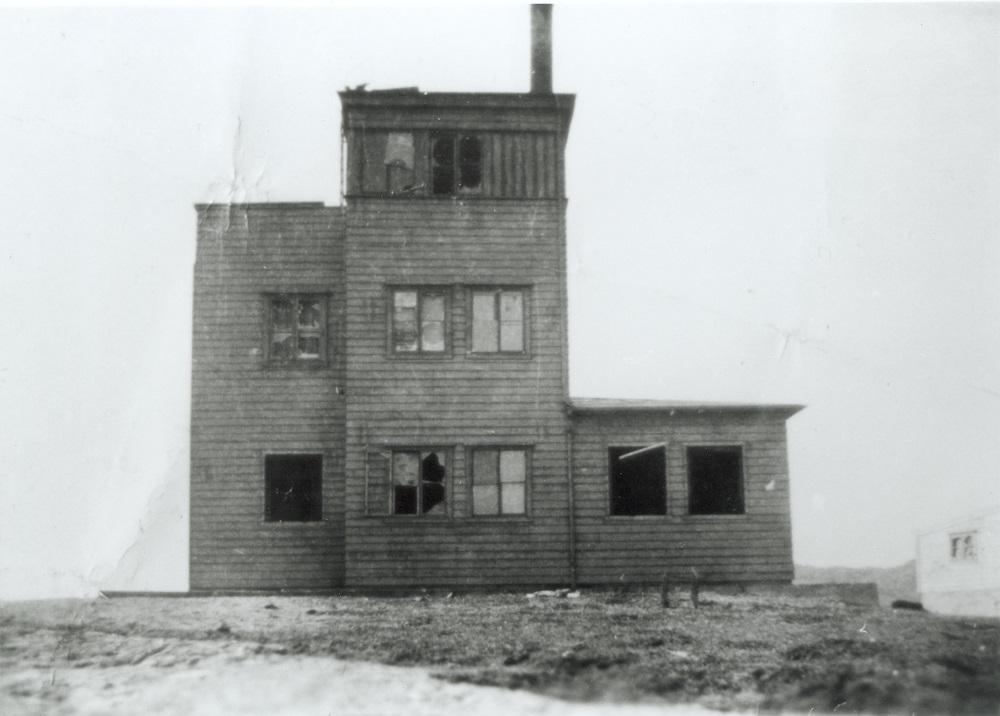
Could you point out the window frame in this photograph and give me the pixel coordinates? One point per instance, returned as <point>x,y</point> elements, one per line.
<point>526,321</point>
<point>445,292</point>
<point>265,512</point>
<point>471,481</point>
<point>456,136</point>
<point>734,446</point>
<point>666,484</point>
<point>963,557</point>
<point>447,454</point>
<point>320,297</point>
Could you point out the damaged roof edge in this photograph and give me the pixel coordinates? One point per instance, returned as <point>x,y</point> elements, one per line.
<point>613,405</point>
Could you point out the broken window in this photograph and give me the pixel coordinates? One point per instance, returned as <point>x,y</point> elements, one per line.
<point>296,328</point>
<point>456,163</point>
<point>715,479</point>
<point>418,482</point>
<point>638,480</point>
<point>293,488</point>
<point>963,546</point>
<point>499,479</point>
<point>418,320</point>
<point>498,321</point>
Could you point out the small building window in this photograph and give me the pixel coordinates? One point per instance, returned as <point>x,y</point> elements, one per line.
<point>293,488</point>
<point>499,480</point>
<point>418,482</point>
<point>456,163</point>
<point>418,320</point>
<point>498,321</point>
<point>963,546</point>
<point>296,328</point>
<point>637,478</point>
<point>715,480</point>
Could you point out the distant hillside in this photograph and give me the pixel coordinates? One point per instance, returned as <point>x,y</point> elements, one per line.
<point>893,582</point>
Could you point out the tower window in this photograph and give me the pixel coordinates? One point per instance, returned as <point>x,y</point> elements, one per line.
<point>498,321</point>
<point>715,480</point>
<point>418,320</point>
<point>456,163</point>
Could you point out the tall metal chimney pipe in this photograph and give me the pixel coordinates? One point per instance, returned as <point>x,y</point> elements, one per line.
<point>541,49</point>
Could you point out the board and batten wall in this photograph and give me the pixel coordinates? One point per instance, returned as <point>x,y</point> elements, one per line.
<point>751,547</point>
<point>458,400</point>
<point>244,407</point>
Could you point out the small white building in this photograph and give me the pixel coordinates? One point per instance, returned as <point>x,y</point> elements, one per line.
<point>958,566</point>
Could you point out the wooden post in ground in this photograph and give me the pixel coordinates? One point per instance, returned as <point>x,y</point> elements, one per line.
<point>665,592</point>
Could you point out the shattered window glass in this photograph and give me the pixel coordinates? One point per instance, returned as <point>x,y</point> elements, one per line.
<point>418,482</point>
<point>470,163</point>
<point>293,488</point>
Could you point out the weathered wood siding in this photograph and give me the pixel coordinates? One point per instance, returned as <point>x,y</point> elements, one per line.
<point>458,400</point>
<point>243,408</point>
<point>755,546</point>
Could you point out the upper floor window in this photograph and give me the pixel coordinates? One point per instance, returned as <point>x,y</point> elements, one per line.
<point>498,321</point>
<point>418,320</point>
<point>296,326</point>
<point>456,163</point>
<point>418,482</point>
<point>963,546</point>
<point>638,480</point>
<point>715,480</point>
<point>499,477</point>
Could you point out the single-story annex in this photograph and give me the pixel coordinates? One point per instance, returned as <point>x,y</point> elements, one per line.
<point>379,389</point>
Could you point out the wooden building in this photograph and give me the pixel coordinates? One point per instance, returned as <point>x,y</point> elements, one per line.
<point>958,566</point>
<point>380,389</point>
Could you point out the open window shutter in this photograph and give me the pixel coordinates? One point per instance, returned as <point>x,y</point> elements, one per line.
<point>377,489</point>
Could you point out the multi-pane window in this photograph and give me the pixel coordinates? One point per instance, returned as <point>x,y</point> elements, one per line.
<point>418,320</point>
<point>498,321</point>
<point>418,482</point>
<point>295,328</point>
<point>499,479</point>
<point>715,480</point>
<point>293,488</point>
<point>963,546</point>
<point>637,480</point>
<point>456,163</point>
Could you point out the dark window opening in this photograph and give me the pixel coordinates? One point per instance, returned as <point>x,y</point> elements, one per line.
<point>638,481</point>
<point>418,481</point>
<point>715,480</point>
<point>293,488</point>
<point>456,163</point>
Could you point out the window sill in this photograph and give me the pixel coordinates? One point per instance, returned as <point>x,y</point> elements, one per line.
<point>302,524</point>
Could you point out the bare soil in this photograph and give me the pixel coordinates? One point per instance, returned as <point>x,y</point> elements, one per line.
<point>737,651</point>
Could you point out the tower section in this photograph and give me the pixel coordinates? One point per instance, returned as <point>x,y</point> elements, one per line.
<point>455,338</point>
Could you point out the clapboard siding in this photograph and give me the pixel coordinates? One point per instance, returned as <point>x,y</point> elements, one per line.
<point>755,546</point>
<point>458,401</point>
<point>244,408</point>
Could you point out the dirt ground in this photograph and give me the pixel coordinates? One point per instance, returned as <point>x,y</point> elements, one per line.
<point>343,655</point>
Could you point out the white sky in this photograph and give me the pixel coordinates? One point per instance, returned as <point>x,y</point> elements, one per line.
<point>778,203</point>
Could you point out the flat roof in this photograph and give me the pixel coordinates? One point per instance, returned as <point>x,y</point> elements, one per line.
<point>622,405</point>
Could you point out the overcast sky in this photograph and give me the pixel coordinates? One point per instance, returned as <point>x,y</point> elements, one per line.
<point>768,203</point>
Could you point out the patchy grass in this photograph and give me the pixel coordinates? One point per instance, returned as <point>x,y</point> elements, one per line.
<point>738,651</point>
